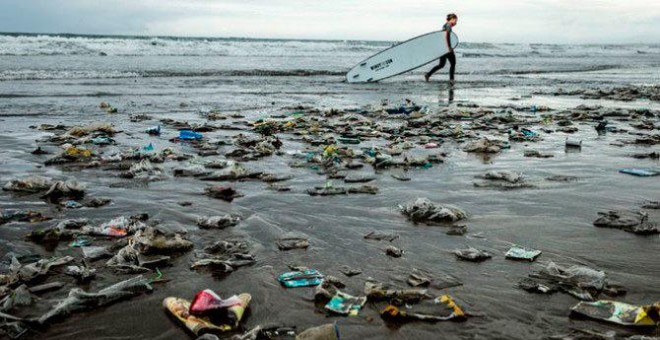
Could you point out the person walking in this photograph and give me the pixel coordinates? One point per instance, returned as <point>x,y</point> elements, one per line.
<point>452,19</point>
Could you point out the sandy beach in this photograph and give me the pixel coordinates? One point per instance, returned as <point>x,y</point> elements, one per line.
<point>290,134</point>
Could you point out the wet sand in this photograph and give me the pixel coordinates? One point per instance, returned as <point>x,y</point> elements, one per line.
<point>554,217</point>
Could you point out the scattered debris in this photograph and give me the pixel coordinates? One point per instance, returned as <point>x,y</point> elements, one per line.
<point>423,210</point>
<point>524,254</point>
<point>472,254</point>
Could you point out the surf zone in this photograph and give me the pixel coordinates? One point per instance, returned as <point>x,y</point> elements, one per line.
<point>382,65</point>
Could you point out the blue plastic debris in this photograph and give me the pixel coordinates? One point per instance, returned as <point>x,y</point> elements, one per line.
<point>307,278</point>
<point>190,135</point>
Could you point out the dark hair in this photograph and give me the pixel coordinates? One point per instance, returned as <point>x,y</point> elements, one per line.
<point>451,16</point>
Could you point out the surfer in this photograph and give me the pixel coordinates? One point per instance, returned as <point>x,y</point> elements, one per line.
<point>447,28</point>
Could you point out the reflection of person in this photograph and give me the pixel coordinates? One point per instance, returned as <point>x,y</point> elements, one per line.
<point>447,27</point>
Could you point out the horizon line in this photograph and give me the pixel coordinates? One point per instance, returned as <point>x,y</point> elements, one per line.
<point>144,36</point>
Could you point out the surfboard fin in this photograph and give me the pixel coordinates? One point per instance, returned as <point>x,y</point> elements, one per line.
<point>355,76</point>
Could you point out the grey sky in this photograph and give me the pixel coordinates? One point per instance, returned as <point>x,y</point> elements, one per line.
<point>545,21</point>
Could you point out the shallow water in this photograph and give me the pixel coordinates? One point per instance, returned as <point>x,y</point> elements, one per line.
<point>555,218</point>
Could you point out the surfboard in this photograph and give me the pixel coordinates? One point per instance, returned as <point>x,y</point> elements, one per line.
<point>402,58</point>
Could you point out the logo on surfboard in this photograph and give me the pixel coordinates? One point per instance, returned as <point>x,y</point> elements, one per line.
<point>381,65</point>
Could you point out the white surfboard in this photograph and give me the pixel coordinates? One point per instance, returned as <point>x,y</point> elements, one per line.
<point>402,58</point>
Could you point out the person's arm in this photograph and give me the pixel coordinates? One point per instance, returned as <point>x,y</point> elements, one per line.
<point>448,38</point>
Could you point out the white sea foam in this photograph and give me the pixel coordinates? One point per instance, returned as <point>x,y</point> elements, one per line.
<point>32,45</point>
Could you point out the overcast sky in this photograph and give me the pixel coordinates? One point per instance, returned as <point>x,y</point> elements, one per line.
<point>545,21</point>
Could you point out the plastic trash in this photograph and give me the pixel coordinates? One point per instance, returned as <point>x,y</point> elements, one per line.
<point>393,251</point>
<point>291,243</point>
<point>71,204</point>
<point>416,280</point>
<point>180,309</point>
<point>529,133</point>
<point>95,253</point>
<point>450,312</point>
<point>224,193</point>
<point>379,292</point>
<point>190,135</point>
<point>472,254</point>
<point>148,148</point>
<point>345,304</point>
<point>63,190</point>
<point>503,175</point>
<point>209,304</point>
<point>573,143</point>
<point>32,271</point>
<point>457,230</point>
<point>81,273</point>
<point>15,215</point>
<point>640,172</point>
<point>424,211</point>
<point>217,222</point>
<point>307,278</point>
<point>154,130</point>
<point>345,140</point>
<point>519,253</point>
<point>29,184</point>
<point>581,282</point>
<point>81,242</point>
<point>21,296</point>
<point>348,271</point>
<point>636,223</point>
<point>324,332</point>
<point>152,240</point>
<point>117,227</point>
<point>619,313</point>
<point>102,140</point>
<point>79,300</point>
<point>380,236</point>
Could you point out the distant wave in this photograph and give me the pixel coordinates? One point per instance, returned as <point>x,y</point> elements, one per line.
<point>55,45</point>
<point>48,75</point>
<point>99,45</point>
